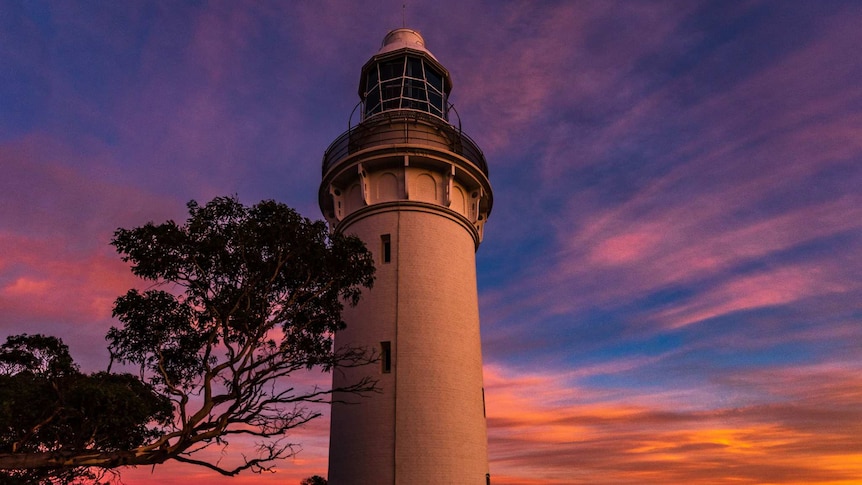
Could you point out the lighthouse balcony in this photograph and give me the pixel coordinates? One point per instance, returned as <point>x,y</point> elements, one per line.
<point>404,127</point>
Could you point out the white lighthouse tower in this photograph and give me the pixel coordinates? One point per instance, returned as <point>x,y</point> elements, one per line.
<point>415,189</point>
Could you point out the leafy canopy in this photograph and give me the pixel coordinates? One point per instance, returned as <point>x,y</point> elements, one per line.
<point>48,405</point>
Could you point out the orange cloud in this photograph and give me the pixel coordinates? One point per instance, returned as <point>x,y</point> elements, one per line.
<point>544,430</point>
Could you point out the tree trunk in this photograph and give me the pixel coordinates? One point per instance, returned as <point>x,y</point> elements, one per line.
<point>65,459</point>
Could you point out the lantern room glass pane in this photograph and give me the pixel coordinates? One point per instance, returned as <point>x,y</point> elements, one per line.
<point>414,67</point>
<point>417,105</point>
<point>392,89</point>
<point>391,69</point>
<point>414,88</point>
<point>371,81</point>
<point>372,101</point>
<point>436,100</point>
<point>434,78</point>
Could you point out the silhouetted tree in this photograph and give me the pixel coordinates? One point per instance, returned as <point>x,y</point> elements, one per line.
<point>48,405</point>
<point>242,298</point>
<point>314,480</point>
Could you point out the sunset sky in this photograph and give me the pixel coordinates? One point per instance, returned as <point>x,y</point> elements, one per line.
<point>671,278</point>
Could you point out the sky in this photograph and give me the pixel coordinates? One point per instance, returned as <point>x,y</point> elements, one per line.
<point>671,278</point>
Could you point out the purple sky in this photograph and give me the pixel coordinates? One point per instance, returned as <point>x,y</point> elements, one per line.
<point>671,278</point>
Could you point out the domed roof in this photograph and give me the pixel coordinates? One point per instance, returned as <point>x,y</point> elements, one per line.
<point>403,38</point>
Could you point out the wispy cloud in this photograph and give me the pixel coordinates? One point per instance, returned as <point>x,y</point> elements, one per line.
<point>734,209</point>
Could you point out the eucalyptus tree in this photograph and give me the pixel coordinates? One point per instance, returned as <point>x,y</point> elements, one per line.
<point>238,300</point>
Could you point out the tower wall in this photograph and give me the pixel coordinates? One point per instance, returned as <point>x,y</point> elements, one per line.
<point>440,422</point>
<point>427,426</point>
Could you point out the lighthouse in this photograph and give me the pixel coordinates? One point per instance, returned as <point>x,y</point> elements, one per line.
<point>414,187</point>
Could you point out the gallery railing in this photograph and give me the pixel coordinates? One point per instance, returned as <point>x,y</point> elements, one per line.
<point>394,127</point>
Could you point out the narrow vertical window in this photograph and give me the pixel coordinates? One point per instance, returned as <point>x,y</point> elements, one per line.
<point>385,357</point>
<point>386,248</point>
<point>483,403</point>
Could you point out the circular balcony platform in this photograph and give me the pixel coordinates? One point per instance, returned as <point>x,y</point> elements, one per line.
<point>394,128</point>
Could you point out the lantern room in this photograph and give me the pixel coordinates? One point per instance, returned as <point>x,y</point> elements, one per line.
<point>404,75</point>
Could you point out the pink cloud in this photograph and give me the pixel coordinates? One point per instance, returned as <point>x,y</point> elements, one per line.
<point>625,248</point>
<point>781,286</point>
<point>60,285</point>
<point>26,287</point>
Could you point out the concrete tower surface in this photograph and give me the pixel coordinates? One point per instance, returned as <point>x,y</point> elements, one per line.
<point>415,189</point>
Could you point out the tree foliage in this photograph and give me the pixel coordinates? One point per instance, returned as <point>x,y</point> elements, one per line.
<point>241,298</point>
<point>48,405</point>
<point>313,480</point>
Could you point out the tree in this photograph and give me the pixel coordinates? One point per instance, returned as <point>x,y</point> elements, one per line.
<point>313,480</point>
<point>241,298</point>
<point>47,404</point>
